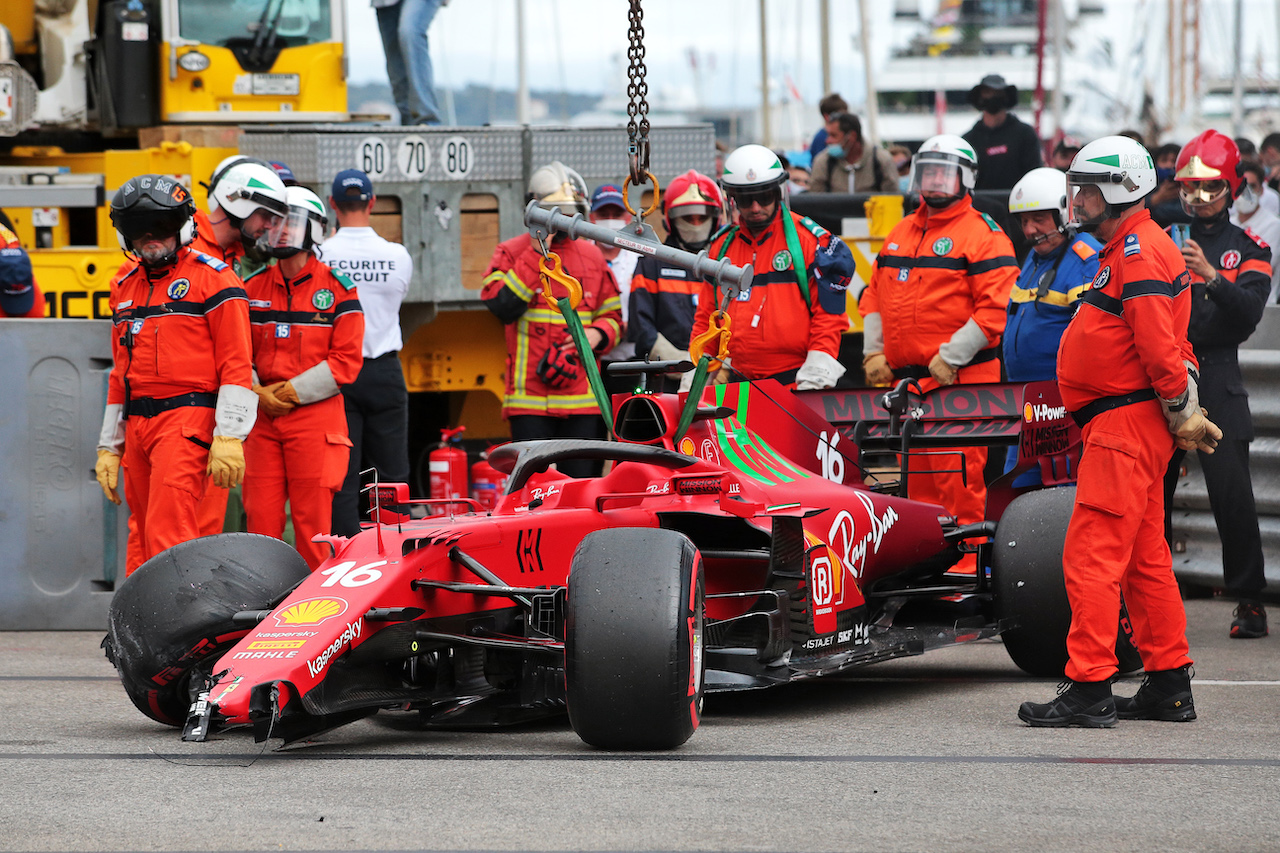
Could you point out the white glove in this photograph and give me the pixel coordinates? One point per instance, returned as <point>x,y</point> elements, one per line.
<point>818,371</point>
<point>964,344</point>
<point>664,350</point>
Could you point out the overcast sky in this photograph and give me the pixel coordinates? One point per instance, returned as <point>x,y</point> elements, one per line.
<point>580,45</point>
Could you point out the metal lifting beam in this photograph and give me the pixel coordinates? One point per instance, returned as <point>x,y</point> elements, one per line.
<point>544,222</point>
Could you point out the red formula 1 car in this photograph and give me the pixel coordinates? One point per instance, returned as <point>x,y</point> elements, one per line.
<point>747,551</point>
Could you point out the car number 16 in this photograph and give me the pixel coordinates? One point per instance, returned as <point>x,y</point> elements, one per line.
<point>349,575</point>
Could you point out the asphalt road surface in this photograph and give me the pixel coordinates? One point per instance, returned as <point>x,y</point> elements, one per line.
<point>924,754</point>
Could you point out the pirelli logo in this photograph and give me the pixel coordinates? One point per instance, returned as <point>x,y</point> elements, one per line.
<point>277,644</point>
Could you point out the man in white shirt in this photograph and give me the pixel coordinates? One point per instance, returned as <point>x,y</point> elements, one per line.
<point>607,210</point>
<point>1247,212</point>
<point>377,403</point>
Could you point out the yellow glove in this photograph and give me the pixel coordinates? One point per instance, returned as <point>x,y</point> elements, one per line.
<point>285,393</point>
<point>107,469</point>
<point>226,461</point>
<point>943,373</point>
<point>876,367</point>
<point>1195,433</point>
<point>270,403</point>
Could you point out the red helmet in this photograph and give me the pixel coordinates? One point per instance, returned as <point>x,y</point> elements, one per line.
<point>693,188</point>
<point>1211,156</point>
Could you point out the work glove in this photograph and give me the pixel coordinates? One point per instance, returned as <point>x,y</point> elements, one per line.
<point>107,469</point>
<point>943,373</point>
<point>1197,432</point>
<point>226,461</point>
<point>664,350</point>
<point>269,402</point>
<point>819,370</point>
<point>285,392</point>
<point>714,377</point>
<point>876,367</point>
<point>559,368</point>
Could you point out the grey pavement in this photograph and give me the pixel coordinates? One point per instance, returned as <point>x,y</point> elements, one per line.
<point>924,754</point>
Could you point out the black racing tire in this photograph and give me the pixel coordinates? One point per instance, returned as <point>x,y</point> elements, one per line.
<point>175,613</point>
<point>633,639</point>
<point>1026,574</point>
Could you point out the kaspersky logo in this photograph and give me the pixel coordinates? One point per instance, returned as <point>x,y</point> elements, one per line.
<point>312,611</point>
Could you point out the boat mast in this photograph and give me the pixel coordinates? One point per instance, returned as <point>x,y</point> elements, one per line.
<point>765,131</point>
<point>824,43</point>
<point>1041,16</point>
<point>873,108</point>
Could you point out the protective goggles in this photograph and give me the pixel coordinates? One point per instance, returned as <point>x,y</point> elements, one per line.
<point>1199,193</point>
<point>746,198</point>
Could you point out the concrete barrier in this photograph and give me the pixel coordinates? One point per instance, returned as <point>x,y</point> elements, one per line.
<point>61,543</point>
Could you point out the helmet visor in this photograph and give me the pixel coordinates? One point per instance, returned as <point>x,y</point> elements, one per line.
<point>1086,205</point>
<point>936,177</point>
<point>745,198</point>
<point>1199,193</point>
<point>287,235</point>
<point>136,224</point>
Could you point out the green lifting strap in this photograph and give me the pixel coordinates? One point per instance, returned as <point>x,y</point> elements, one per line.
<point>579,336</point>
<point>793,248</point>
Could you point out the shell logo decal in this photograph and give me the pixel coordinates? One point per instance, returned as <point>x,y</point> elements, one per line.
<point>1027,412</point>
<point>312,611</point>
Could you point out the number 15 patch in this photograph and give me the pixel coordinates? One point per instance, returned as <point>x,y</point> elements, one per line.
<point>904,274</point>
<point>282,330</point>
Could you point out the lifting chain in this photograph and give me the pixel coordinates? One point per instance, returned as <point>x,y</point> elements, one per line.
<point>638,104</point>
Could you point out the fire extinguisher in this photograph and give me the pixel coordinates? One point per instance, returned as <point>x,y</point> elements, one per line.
<point>487,482</point>
<point>447,465</point>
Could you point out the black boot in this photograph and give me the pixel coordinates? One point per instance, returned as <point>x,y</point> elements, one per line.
<point>1163,696</point>
<point>1088,704</point>
<point>1250,622</point>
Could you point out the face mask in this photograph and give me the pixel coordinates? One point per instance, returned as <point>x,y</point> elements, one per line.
<point>993,105</point>
<point>693,235</point>
<point>904,184</point>
<point>836,151</point>
<point>1163,175</point>
<point>1248,202</point>
<point>612,224</point>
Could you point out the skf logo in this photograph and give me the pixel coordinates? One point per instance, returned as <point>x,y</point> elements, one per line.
<point>312,611</point>
<point>1040,413</point>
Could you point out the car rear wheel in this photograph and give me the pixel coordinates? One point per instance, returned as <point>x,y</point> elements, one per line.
<point>633,639</point>
<point>175,613</point>
<point>1027,576</point>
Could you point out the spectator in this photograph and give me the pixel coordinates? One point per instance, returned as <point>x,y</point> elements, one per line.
<point>307,333</point>
<point>850,166</point>
<point>20,296</point>
<point>829,106</point>
<point>284,173</point>
<point>787,324</point>
<point>1164,204</point>
<point>607,209</point>
<point>1247,212</point>
<point>1007,148</point>
<point>1064,152</point>
<point>404,25</point>
<point>1230,281</point>
<point>376,403</point>
<point>934,309</point>
<point>1135,135</point>
<point>1124,376</point>
<point>901,155</point>
<point>179,404</point>
<point>1269,152</point>
<point>798,179</point>
<point>1246,147</point>
<point>547,393</point>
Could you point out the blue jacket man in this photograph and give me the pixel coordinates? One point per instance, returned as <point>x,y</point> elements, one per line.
<point>1057,272</point>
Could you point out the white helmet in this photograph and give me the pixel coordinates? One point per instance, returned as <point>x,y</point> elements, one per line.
<point>299,230</point>
<point>556,185</point>
<point>750,169</point>
<point>1042,189</point>
<point>1120,167</point>
<point>244,187</point>
<point>951,152</point>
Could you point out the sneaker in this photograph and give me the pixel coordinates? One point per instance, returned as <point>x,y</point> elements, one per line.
<point>1163,696</point>
<point>1088,704</point>
<point>1250,622</point>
